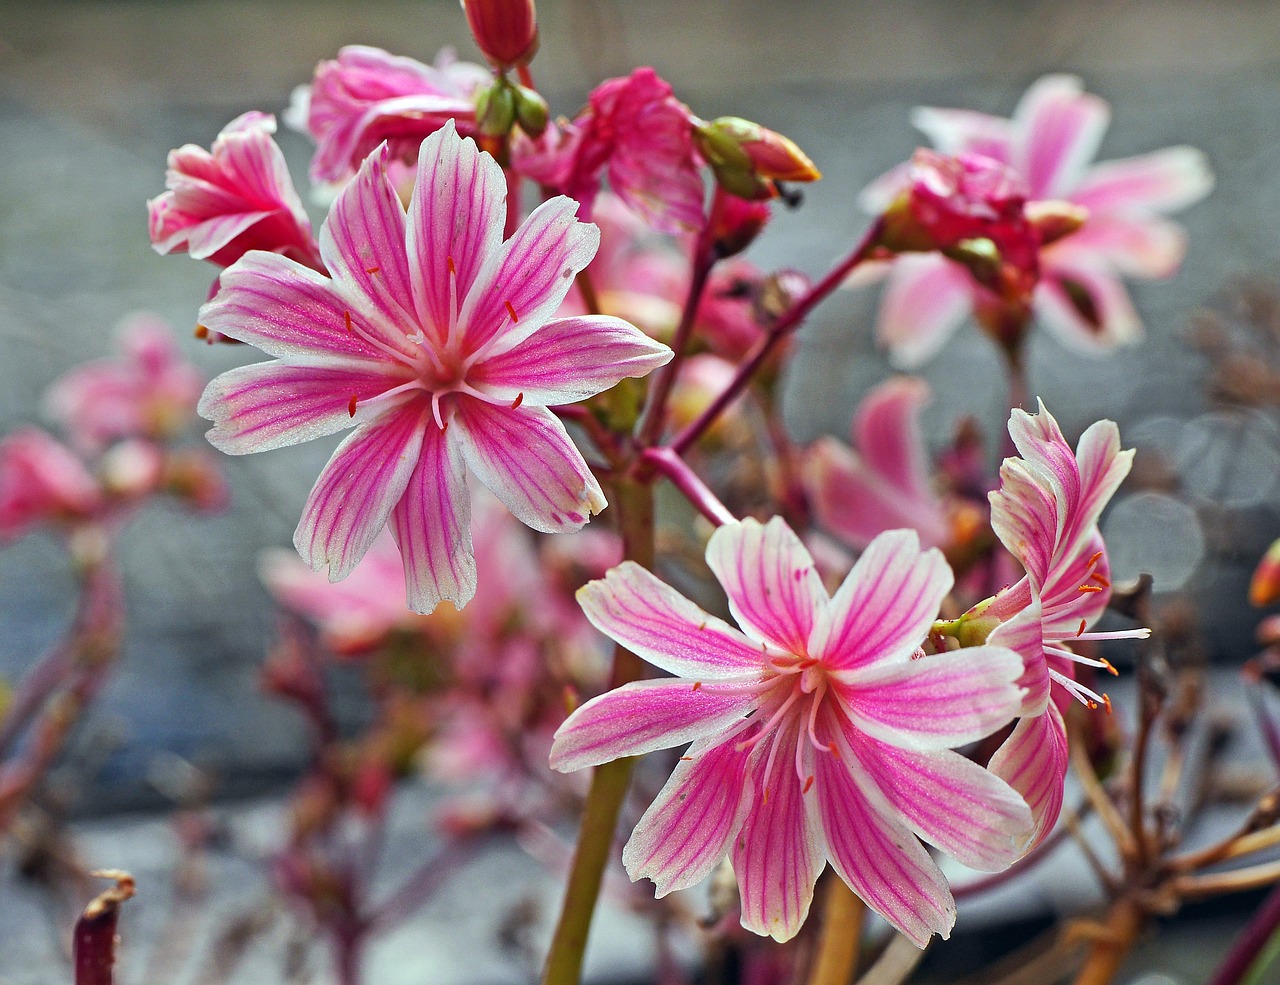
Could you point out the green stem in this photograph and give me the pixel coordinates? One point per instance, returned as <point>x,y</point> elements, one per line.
<point>634,502</point>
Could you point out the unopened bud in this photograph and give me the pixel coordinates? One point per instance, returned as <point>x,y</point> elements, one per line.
<point>532,112</point>
<point>505,30</point>
<point>735,222</point>
<point>1264,589</point>
<point>496,109</point>
<point>748,160</point>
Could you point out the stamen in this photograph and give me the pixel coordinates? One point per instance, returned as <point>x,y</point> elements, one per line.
<point>346,316</point>
<point>371,270</point>
<point>686,759</point>
<point>1090,588</point>
<point>768,726</point>
<point>697,685</point>
<point>202,332</point>
<point>453,270</point>
<point>435,410</point>
<point>517,402</point>
<point>512,312</point>
<point>1086,696</point>
<point>1102,580</point>
<point>1083,624</point>
<point>351,406</point>
<point>808,785</point>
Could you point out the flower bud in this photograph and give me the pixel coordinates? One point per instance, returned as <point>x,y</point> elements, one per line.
<point>505,30</point>
<point>735,222</point>
<point>532,112</point>
<point>496,109</point>
<point>748,160</point>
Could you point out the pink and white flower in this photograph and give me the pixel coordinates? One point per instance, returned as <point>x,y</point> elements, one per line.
<point>149,391</point>
<point>367,96</point>
<point>1050,143</point>
<point>820,730</point>
<point>237,197</point>
<point>1046,513</point>
<point>883,481</point>
<point>435,340</point>
<point>641,136</point>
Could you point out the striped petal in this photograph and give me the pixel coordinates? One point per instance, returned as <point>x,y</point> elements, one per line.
<point>661,626</point>
<point>951,802</point>
<point>521,285</point>
<point>526,458</point>
<point>1033,760</point>
<point>874,852</point>
<point>937,701</point>
<point>357,490</point>
<point>1058,127</point>
<point>886,605</point>
<point>778,854</point>
<point>925,300</point>
<point>646,715</point>
<point>290,311</point>
<point>363,246</point>
<point>271,405</point>
<point>774,589</point>
<point>1163,181</point>
<point>432,527</point>
<point>1087,308</point>
<point>455,224</point>
<point>568,360</point>
<point>687,829</point>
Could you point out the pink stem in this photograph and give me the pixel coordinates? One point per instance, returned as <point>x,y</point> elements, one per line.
<point>675,468</point>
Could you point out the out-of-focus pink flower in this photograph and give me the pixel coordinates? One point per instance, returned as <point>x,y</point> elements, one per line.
<point>735,222</point>
<point>238,197</point>
<point>366,96</point>
<point>1046,513</point>
<point>820,730</point>
<point>436,341</point>
<point>42,481</point>
<point>1050,143</point>
<point>883,482</point>
<point>148,391</point>
<point>505,30</point>
<point>637,133</point>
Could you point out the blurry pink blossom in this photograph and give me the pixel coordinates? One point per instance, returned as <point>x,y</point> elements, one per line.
<point>637,133</point>
<point>435,340</point>
<point>367,96</point>
<point>42,481</point>
<point>883,482</point>
<point>148,391</point>
<point>820,730</point>
<point>1049,143</point>
<point>1046,513</point>
<point>238,197</point>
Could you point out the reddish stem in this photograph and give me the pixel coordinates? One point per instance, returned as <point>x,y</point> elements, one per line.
<point>1255,936</point>
<point>93,944</point>
<point>689,483</point>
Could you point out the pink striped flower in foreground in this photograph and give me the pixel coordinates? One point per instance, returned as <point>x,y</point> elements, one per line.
<point>1046,513</point>
<point>434,339</point>
<point>820,730</point>
<point>1050,143</point>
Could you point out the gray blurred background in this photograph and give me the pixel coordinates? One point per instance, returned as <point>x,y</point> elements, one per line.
<point>93,95</point>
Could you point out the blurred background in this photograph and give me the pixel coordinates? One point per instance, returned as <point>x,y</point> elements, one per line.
<point>94,94</point>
